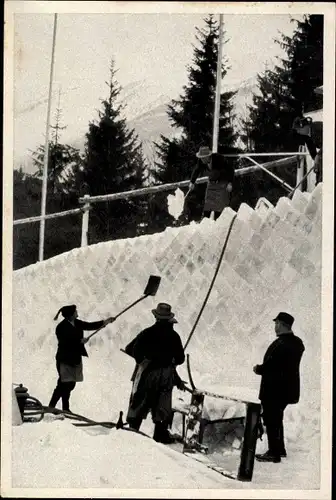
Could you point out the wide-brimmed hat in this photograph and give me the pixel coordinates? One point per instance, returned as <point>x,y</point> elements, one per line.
<point>163,311</point>
<point>285,318</point>
<point>203,152</point>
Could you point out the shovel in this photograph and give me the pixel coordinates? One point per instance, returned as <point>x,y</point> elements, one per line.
<point>151,289</point>
<point>185,199</point>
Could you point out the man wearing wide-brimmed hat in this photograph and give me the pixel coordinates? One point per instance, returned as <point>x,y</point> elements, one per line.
<point>221,174</point>
<point>280,384</point>
<point>157,351</point>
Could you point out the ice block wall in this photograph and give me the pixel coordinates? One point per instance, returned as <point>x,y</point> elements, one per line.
<point>272,263</point>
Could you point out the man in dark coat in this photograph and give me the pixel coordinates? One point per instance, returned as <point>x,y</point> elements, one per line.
<point>302,133</point>
<point>280,384</point>
<point>221,175</point>
<point>69,353</point>
<point>157,351</point>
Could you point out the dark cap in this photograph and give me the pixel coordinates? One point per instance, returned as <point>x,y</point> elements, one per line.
<point>66,311</point>
<point>285,318</point>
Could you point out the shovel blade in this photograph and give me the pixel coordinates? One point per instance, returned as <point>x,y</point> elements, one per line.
<point>152,285</point>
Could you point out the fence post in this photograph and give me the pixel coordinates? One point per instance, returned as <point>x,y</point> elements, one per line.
<point>311,179</point>
<point>85,220</point>
<point>245,471</point>
<point>300,168</point>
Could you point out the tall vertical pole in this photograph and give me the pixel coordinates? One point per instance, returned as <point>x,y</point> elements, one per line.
<point>85,221</point>
<point>46,148</point>
<point>300,168</point>
<point>218,87</point>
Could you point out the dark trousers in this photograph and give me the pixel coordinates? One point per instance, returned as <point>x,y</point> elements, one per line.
<point>61,391</point>
<point>273,413</point>
<point>207,213</point>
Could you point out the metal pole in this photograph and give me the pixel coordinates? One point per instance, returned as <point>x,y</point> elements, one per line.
<point>311,177</point>
<point>46,148</point>
<point>85,221</point>
<point>300,169</point>
<point>218,87</point>
<point>303,178</point>
<point>284,184</point>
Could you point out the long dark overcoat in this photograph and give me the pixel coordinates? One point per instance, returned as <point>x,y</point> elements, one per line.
<point>220,173</point>
<point>70,348</point>
<point>280,371</point>
<point>156,350</point>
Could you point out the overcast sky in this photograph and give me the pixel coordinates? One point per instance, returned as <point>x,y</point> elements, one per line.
<point>151,52</point>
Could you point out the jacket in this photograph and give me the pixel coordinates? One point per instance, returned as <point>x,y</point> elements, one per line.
<point>219,170</point>
<point>70,348</point>
<point>280,371</point>
<point>160,344</point>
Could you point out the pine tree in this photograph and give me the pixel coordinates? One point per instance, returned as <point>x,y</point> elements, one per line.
<point>192,115</point>
<point>61,234</point>
<point>289,89</point>
<point>271,114</point>
<point>285,93</point>
<point>64,160</point>
<point>304,62</point>
<point>113,163</point>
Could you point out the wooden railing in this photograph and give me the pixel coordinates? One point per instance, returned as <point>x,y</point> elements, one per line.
<point>87,200</point>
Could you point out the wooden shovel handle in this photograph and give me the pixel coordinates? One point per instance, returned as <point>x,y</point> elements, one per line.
<point>117,316</point>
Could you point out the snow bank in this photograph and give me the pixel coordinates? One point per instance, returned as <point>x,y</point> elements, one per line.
<point>99,458</point>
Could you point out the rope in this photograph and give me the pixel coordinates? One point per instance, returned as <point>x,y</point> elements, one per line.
<point>193,387</point>
<point>212,282</point>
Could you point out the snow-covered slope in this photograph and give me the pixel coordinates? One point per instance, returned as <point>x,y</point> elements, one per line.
<point>272,263</point>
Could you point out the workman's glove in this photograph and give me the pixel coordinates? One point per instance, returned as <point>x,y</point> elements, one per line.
<point>180,385</point>
<point>191,186</point>
<point>109,320</point>
<point>179,382</point>
<point>229,187</point>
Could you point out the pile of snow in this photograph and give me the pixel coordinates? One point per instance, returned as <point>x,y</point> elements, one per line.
<point>176,203</point>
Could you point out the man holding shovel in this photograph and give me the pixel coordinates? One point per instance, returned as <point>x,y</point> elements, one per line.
<point>69,354</point>
<point>219,188</point>
<point>157,351</point>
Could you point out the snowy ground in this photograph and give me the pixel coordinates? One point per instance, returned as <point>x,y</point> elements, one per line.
<point>99,457</point>
<point>56,454</point>
<point>68,457</point>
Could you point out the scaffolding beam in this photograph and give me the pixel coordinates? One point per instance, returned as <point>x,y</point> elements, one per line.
<point>183,184</point>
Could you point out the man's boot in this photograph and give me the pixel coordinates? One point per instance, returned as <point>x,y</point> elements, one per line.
<point>161,433</point>
<point>66,392</point>
<point>65,402</point>
<point>134,423</point>
<point>282,447</point>
<point>268,457</point>
<point>56,396</point>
